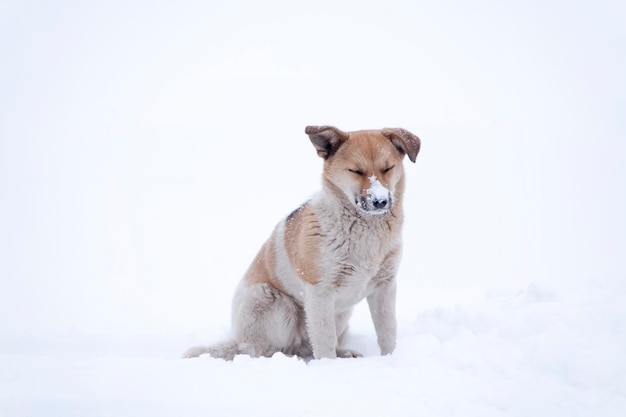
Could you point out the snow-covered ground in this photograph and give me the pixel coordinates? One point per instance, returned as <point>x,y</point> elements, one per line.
<point>148,149</point>
<point>531,353</point>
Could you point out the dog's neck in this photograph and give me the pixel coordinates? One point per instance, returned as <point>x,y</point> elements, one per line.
<point>367,235</point>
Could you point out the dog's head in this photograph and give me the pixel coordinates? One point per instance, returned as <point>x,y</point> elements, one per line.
<point>365,166</point>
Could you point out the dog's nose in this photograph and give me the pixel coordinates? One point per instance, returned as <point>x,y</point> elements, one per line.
<point>379,204</point>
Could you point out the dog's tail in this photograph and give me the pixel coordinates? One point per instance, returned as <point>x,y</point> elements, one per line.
<point>225,350</point>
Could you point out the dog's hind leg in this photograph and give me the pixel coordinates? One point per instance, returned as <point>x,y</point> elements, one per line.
<point>341,322</point>
<point>267,321</point>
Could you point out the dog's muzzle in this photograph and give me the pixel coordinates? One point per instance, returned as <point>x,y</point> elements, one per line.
<point>376,199</point>
<point>374,205</point>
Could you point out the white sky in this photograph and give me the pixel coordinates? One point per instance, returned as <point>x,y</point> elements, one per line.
<point>135,136</point>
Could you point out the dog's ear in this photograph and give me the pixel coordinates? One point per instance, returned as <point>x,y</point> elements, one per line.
<point>405,141</point>
<point>326,139</point>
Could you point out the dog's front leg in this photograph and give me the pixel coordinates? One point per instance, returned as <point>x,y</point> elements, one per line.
<point>319,307</point>
<point>382,304</point>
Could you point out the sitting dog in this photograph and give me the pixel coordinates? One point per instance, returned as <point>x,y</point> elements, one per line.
<point>338,248</point>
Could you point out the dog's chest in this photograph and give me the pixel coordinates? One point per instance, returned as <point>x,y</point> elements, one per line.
<point>352,254</point>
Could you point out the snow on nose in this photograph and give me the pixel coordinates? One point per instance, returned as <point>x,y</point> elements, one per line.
<point>378,194</point>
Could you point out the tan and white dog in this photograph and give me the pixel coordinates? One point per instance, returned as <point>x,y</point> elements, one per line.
<point>340,247</point>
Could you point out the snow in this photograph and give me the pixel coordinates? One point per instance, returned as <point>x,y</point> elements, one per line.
<point>377,191</point>
<point>147,152</point>
<point>530,353</point>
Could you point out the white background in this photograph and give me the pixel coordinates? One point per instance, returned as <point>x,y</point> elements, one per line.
<point>147,149</point>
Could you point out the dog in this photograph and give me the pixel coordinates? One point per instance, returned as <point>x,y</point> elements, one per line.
<point>340,247</point>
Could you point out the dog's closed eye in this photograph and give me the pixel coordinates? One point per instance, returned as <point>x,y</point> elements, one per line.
<point>357,172</point>
<point>386,170</point>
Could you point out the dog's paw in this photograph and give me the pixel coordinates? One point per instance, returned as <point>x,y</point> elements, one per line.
<point>348,353</point>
